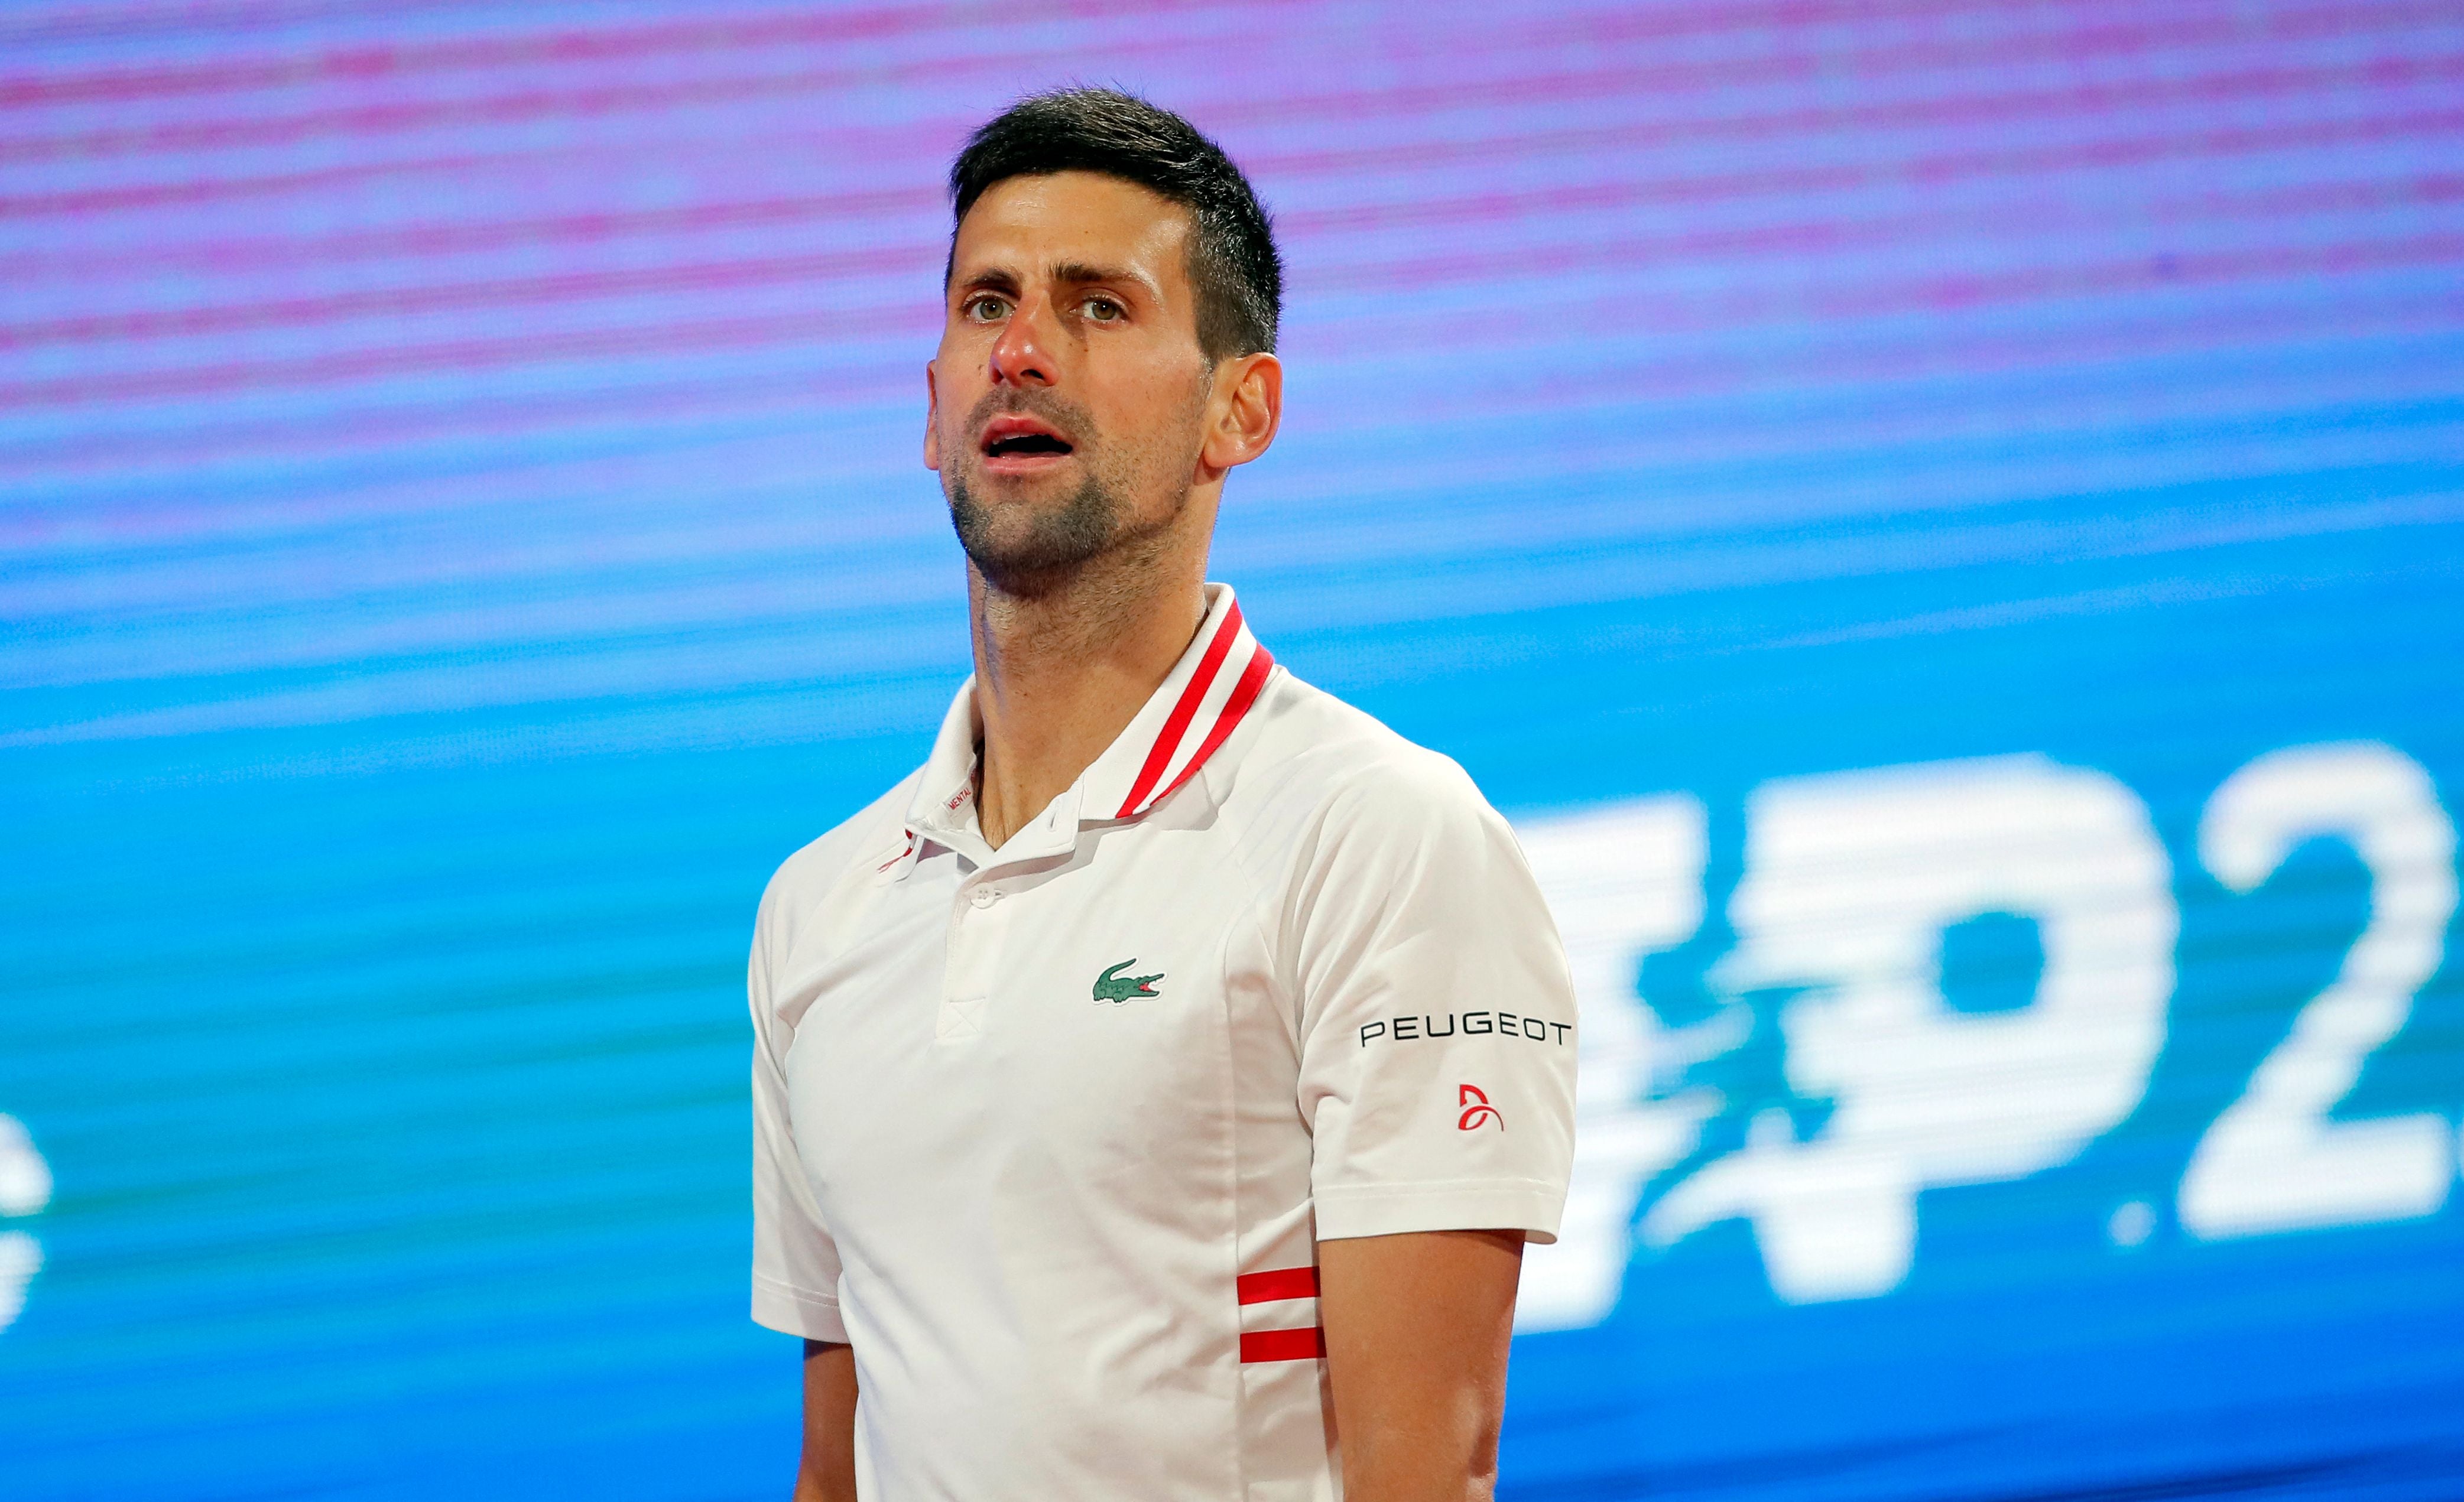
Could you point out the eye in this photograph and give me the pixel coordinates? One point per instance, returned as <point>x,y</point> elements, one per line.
<point>1101,309</point>
<point>985,307</point>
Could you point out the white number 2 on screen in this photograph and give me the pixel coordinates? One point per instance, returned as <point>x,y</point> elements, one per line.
<point>2274,1160</point>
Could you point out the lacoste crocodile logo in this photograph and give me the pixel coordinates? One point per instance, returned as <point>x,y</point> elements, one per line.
<point>1116,987</point>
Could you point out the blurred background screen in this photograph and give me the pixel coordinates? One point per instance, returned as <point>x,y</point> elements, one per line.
<point>1940,520</point>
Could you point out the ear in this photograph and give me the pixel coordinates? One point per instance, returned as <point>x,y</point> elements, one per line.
<point>1246,410</point>
<point>932,420</point>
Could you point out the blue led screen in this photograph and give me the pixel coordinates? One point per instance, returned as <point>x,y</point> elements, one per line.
<point>1939,521</point>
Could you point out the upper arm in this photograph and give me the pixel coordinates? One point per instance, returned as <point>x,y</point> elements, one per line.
<point>1438,1076</point>
<point>1416,1329</point>
<point>827,1472</point>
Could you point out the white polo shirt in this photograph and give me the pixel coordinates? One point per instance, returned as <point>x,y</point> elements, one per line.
<point>1049,1133</point>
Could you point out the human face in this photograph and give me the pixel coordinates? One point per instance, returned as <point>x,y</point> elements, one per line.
<point>1069,396</point>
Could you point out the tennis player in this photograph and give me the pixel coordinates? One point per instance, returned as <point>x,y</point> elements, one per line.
<point>1155,1091</point>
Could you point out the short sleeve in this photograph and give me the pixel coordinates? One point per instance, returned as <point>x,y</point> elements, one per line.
<point>795,1264</point>
<point>1437,1018</point>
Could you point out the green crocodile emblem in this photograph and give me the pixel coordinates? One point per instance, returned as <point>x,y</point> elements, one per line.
<point>1116,987</point>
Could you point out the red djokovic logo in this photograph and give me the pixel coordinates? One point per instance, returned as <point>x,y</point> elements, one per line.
<point>1476,1111</point>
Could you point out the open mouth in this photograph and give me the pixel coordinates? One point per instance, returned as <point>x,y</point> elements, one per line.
<point>1024,444</point>
<point>1023,438</point>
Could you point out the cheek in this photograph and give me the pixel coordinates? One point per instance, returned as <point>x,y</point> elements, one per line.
<point>1160,411</point>
<point>959,368</point>
<point>956,391</point>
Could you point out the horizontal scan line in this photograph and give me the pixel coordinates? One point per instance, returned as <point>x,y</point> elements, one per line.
<point>460,237</point>
<point>1656,79</point>
<point>2134,99</point>
<point>1870,297</point>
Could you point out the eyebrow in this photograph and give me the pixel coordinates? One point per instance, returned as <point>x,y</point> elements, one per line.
<point>1078,274</point>
<point>992,278</point>
<point>1075,274</point>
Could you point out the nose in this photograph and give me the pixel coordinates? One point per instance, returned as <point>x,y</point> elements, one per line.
<point>1023,355</point>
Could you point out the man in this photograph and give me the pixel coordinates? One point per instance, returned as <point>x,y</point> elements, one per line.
<point>1154,1092</point>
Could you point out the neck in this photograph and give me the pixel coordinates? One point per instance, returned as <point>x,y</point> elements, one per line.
<point>1060,673</point>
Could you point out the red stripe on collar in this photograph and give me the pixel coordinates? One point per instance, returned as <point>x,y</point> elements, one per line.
<point>1177,724</point>
<point>1244,693</point>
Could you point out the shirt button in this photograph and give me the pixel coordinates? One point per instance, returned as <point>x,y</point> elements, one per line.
<point>984,896</point>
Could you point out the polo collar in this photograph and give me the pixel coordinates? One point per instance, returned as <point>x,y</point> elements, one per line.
<point>1183,722</point>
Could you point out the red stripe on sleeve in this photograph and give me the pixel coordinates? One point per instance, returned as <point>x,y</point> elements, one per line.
<point>1160,755</point>
<point>1261,1288</point>
<point>1283,1345</point>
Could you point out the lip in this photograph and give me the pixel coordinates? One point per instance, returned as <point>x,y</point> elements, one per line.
<point>1018,425</point>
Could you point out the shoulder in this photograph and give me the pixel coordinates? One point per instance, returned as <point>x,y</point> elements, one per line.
<point>1374,853</point>
<point>806,881</point>
<point>1323,773</point>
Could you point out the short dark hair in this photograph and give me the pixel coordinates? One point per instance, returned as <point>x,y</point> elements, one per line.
<point>1233,266</point>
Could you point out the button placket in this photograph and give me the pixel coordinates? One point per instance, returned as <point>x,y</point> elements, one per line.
<point>977,921</point>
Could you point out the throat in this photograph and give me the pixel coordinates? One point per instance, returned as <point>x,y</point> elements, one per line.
<point>1004,809</point>
<point>1059,678</point>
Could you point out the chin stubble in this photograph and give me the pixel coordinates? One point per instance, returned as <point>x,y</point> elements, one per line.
<point>1054,544</point>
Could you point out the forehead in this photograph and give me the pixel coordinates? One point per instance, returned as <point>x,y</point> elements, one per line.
<point>1026,225</point>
